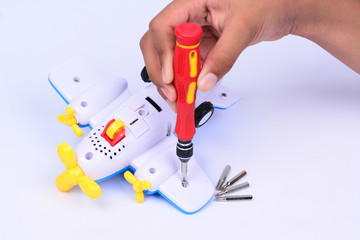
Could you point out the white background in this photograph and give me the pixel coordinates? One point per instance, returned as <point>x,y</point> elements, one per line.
<point>296,132</point>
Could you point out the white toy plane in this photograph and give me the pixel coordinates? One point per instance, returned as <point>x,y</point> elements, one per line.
<point>128,132</point>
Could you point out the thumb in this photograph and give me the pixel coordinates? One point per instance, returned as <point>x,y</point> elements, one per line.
<point>223,55</point>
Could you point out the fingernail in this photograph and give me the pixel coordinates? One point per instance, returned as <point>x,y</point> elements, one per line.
<point>166,93</point>
<point>207,82</point>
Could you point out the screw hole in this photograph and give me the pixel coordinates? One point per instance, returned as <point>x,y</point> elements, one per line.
<point>89,155</point>
<point>152,170</point>
<point>223,95</point>
<point>83,104</point>
<point>142,112</point>
<point>76,79</point>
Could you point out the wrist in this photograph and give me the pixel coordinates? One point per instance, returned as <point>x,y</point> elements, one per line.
<point>334,25</point>
<point>304,20</point>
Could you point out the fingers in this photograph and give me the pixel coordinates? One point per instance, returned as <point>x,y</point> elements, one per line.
<point>162,33</point>
<point>166,95</point>
<point>154,69</point>
<point>220,59</point>
<point>158,44</point>
<point>162,30</point>
<point>227,37</point>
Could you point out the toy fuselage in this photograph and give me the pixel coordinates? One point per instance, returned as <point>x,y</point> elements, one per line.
<point>145,142</point>
<point>146,125</point>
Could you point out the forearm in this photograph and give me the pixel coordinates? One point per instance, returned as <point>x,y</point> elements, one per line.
<point>334,25</point>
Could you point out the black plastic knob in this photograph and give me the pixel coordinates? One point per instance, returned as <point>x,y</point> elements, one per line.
<point>145,76</point>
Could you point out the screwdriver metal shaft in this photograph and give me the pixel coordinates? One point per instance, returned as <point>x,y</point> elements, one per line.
<point>223,177</point>
<point>233,188</point>
<point>184,150</point>
<point>234,179</point>
<point>184,170</point>
<point>234,198</point>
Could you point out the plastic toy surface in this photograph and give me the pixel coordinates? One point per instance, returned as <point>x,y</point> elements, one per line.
<point>128,132</point>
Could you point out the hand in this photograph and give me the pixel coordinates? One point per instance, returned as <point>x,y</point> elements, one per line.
<point>232,25</point>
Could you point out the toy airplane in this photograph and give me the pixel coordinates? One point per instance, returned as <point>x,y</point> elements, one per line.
<point>128,132</point>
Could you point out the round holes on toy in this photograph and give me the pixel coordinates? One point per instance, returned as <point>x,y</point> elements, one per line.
<point>142,112</point>
<point>84,104</point>
<point>152,170</point>
<point>76,79</point>
<point>223,95</point>
<point>89,155</point>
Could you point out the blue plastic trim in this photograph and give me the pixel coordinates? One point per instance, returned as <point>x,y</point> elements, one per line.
<point>80,125</point>
<point>228,106</point>
<point>84,126</point>
<point>148,192</point>
<point>57,91</point>
<point>118,172</point>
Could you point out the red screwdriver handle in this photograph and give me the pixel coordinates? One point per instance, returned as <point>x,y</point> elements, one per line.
<point>187,66</point>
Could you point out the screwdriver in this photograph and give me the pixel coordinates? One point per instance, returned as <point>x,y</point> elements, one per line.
<point>187,66</point>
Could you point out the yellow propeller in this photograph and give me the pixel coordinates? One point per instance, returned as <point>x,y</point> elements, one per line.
<point>73,174</point>
<point>70,120</point>
<point>138,186</point>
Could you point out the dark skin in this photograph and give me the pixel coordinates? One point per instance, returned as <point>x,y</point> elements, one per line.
<point>232,25</point>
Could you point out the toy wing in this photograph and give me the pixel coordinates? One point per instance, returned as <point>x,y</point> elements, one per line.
<point>220,96</point>
<point>87,90</point>
<point>161,167</point>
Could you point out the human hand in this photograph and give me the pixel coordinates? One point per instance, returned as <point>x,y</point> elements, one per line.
<point>229,26</point>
